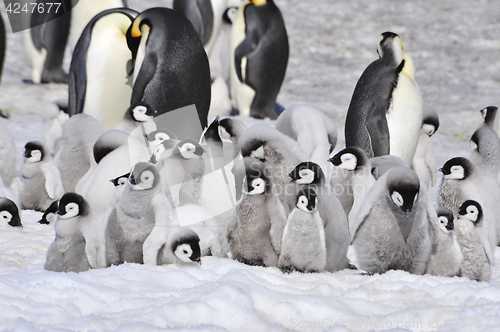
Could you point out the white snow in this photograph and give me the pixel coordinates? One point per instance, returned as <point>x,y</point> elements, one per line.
<point>456,49</point>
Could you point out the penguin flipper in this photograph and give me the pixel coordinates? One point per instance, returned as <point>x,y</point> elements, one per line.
<point>278,219</point>
<point>486,245</point>
<point>53,181</point>
<point>432,216</point>
<point>146,73</point>
<point>156,239</point>
<point>378,130</point>
<point>247,46</point>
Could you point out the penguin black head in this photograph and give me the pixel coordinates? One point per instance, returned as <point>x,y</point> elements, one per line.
<point>445,217</point>
<point>230,15</point>
<point>489,113</point>
<point>143,176</point>
<point>133,36</point>
<point>307,172</point>
<point>158,136</point>
<point>470,210</point>
<point>256,180</point>
<point>9,212</point>
<point>403,185</point>
<point>141,112</point>
<point>50,214</point>
<point>351,158</point>
<point>306,200</point>
<point>430,121</point>
<point>458,168</point>
<point>390,47</point>
<point>189,149</point>
<point>168,144</point>
<point>34,152</point>
<point>72,205</point>
<point>212,133</point>
<point>187,248</point>
<point>121,180</point>
<point>484,140</point>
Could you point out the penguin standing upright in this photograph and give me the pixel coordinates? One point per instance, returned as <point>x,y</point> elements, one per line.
<point>259,44</point>
<point>489,115</point>
<point>385,113</point>
<point>424,161</point>
<point>98,76</point>
<point>45,42</point>
<point>171,67</point>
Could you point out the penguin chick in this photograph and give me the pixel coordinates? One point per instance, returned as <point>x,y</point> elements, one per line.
<point>50,215</point>
<point>303,246</point>
<point>424,161</point>
<point>474,245</point>
<point>485,153</point>
<point>396,226</point>
<point>67,251</point>
<point>41,181</point>
<point>157,137</point>
<point>310,175</point>
<point>234,128</point>
<point>446,257</point>
<point>355,161</point>
<point>9,212</point>
<point>53,119</point>
<point>136,221</point>
<point>120,180</point>
<point>181,246</point>
<point>257,230</point>
<point>489,116</point>
<point>135,115</point>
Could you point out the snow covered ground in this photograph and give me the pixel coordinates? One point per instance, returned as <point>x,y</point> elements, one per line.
<point>456,49</point>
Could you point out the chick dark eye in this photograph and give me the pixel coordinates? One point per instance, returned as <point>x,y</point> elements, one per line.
<point>185,251</point>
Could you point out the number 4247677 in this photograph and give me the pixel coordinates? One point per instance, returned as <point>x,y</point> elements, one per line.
<point>471,322</point>
<point>41,8</point>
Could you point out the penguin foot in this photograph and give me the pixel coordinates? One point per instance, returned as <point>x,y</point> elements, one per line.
<point>234,112</point>
<point>278,108</point>
<point>4,115</point>
<point>251,262</point>
<point>28,81</point>
<point>288,269</point>
<point>56,76</point>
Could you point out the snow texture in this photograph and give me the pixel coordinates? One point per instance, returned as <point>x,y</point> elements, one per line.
<point>456,49</point>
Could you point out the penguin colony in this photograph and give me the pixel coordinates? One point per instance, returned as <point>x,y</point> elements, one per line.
<point>128,179</point>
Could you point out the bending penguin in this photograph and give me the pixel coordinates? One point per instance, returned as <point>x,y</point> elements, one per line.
<point>181,246</point>
<point>396,226</point>
<point>259,45</point>
<point>171,67</point>
<point>99,83</point>
<point>389,121</point>
<point>303,246</point>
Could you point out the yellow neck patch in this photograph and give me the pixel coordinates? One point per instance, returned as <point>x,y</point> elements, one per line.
<point>258,2</point>
<point>136,31</point>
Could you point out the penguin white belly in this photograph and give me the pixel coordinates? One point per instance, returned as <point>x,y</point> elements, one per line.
<point>141,51</point>
<point>241,94</point>
<point>404,119</point>
<point>108,94</point>
<point>36,58</point>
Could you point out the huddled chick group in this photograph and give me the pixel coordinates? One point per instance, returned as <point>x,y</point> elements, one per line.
<point>138,175</point>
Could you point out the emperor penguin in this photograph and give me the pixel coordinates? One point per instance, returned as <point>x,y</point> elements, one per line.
<point>171,67</point>
<point>50,215</point>
<point>303,246</point>
<point>477,253</point>
<point>98,76</point>
<point>396,226</point>
<point>82,14</point>
<point>424,161</point>
<point>461,181</point>
<point>446,257</point>
<point>310,175</point>
<point>315,132</point>
<point>257,230</point>
<point>134,116</point>
<point>67,251</point>
<point>279,153</point>
<point>489,116</point>
<point>7,155</point>
<point>234,128</point>
<point>259,45</point>
<point>41,181</point>
<point>485,153</point>
<point>78,137</point>
<point>182,246</point>
<point>388,121</point>
<point>136,221</point>
<point>10,211</point>
<point>355,161</point>
<point>45,42</point>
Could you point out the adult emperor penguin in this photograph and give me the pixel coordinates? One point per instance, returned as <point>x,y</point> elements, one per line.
<point>359,183</point>
<point>7,155</point>
<point>259,45</point>
<point>279,152</point>
<point>424,161</point>
<point>136,222</point>
<point>385,114</point>
<point>171,67</point>
<point>396,226</point>
<point>45,42</point>
<point>78,137</point>
<point>303,245</point>
<point>478,255</point>
<point>461,181</point>
<point>181,246</point>
<point>257,230</point>
<point>315,132</point>
<point>98,76</point>
<point>67,251</point>
<point>41,182</point>
<point>446,257</point>
<point>310,175</point>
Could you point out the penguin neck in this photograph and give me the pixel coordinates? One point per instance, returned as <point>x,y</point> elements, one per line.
<point>409,66</point>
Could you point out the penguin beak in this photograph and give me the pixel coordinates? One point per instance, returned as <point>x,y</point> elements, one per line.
<point>153,160</point>
<point>131,179</point>
<point>16,222</point>
<point>199,151</point>
<point>27,154</point>
<point>198,260</point>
